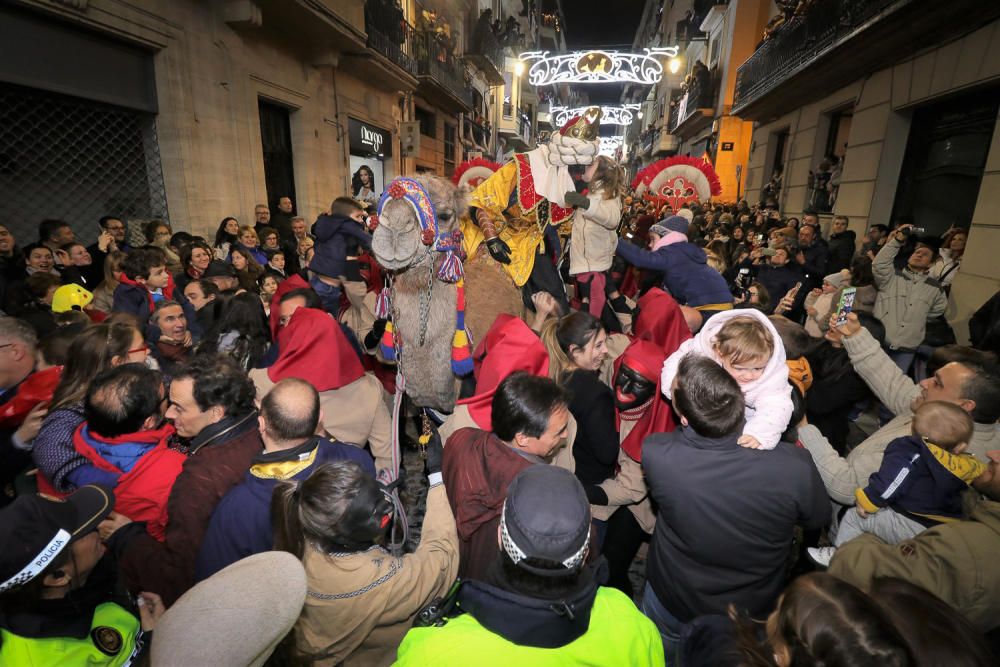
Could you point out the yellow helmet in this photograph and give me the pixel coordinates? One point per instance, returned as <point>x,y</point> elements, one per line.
<point>70,297</point>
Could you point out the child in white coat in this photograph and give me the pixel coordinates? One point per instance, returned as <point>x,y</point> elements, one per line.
<point>747,345</point>
<point>595,230</point>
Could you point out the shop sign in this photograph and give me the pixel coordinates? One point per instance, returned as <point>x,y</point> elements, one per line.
<point>727,145</point>
<point>367,139</point>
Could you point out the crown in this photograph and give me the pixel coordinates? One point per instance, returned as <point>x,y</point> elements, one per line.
<point>585,126</point>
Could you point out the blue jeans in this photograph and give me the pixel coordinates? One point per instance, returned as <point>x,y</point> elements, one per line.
<point>329,295</point>
<point>669,627</point>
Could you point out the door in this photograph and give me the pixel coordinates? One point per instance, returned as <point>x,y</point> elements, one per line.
<point>276,141</point>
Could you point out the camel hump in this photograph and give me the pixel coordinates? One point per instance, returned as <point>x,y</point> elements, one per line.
<point>489,291</point>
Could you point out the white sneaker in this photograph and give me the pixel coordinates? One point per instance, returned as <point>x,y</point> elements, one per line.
<point>821,555</point>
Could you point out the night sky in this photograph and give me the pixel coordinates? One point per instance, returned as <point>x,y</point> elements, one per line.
<point>609,24</point>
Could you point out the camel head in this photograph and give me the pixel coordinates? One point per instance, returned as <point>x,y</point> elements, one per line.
<point>405,233</point>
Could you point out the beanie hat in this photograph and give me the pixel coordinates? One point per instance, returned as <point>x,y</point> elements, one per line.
<point>546,516</point>
<point>659,230</point>
<point>838,279</point>
<point>675,223</point>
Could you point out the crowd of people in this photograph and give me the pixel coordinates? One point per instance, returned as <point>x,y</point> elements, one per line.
<point>689,453</point>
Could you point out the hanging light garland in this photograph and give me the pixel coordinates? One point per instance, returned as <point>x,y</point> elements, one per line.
<point>597,66</point>
<point>622,114</point>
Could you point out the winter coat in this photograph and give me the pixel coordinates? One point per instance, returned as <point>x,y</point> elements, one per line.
<point>920,480</point>
<point>836,388</point>
<point>478,467</point>
<point>256,252</point>
<point>594,235</point>
<point>595,448</point>
<point>842,476</point>
<point>816,325</point>
<point>768,399</point>
<point>336,238</point>
<point>686,274</point>
<point>616,633</point>
<point>906,300</point>
<point>146,469</point>
<point>777,280</point>
<point>726,520</point>
<point>945,268</point>
<point>218,459</point>
<point>355,414</point>
<point>360,605</point>
<point>841,249</point>
<point>817,258</point>
<point>241,523</point>
<point>955,561</point>
<point>53,451</point>
<point>134,299</point>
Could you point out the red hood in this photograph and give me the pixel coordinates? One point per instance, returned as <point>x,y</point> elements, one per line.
<point>34,389</point>
<point>312,347</point>
<point>290,283</point>
<point>647,359</point>
<point>510,345</point>
<point>660,320</point>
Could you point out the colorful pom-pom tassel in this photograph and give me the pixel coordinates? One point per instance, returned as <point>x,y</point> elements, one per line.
<point>382,304</point>
<point>388,344</point>
<point>461,348</point>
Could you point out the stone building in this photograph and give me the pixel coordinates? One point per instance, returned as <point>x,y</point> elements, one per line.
<point>855,116</point>
<point>193,110</point>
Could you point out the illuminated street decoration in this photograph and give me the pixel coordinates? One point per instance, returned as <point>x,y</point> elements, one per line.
<point>597,66</point>
<point>610,144</point>
<point>618,115</point>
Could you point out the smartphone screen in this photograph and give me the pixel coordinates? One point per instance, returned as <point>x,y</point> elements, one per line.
<point>846,304</point>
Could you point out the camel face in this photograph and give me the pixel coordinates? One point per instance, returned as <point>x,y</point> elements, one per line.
<point>396,241</point>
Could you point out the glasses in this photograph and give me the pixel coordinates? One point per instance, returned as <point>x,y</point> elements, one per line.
<point>144,349</point>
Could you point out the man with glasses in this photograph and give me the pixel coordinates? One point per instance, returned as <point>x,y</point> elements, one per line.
<point>17,361</point>
<point>111,238</point>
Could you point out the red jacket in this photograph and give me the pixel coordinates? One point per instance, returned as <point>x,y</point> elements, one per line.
<point>142,492</point>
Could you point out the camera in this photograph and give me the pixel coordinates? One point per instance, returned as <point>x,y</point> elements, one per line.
<point>913,230</point>
<point>742,285</point>
<point>768,252</point>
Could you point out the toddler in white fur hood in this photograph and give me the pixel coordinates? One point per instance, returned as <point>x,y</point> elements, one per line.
<point>747,345</point>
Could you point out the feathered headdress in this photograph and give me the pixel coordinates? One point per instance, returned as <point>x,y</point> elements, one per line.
<point>678,180</point>
<point>474,172</point>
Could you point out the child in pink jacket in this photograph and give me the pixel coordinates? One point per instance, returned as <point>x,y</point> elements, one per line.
<point>747,345</point>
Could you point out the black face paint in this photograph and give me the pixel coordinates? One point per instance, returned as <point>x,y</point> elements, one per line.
<point>631,388</point>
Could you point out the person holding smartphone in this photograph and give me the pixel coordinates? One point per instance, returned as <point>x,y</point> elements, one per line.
<point>772,267</point>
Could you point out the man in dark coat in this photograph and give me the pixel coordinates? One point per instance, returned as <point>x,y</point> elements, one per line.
<point>241,524</point>
<point>841,245</point>
<point>212,408</point>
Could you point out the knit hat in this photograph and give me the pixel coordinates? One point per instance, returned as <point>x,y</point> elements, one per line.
<point>838,279</point>
<point>675,223</point>
<point>546,516</point>
<point>659,230</point>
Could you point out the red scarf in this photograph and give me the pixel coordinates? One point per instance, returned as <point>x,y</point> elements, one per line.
<point>34,389</point>
<point>646,358</point>
<point>508,346</point>
<point>312,347</point>
<point>168,291</point>
<point>660,321</point>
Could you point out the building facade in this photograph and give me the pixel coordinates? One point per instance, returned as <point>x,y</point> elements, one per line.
<point>192,110</point>
<point>854,116</point>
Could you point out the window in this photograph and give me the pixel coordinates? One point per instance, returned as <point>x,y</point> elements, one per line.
<point>826,175</point>
<point>427,120</point>
<point>450,139</point>
<point>508,86</point>
<point>771,192</point>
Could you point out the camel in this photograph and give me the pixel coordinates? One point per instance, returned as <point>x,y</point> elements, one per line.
<point>423,305</point>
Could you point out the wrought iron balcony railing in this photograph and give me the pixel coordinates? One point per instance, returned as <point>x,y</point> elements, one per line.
<point>435,60</point>
<point>390,35</point>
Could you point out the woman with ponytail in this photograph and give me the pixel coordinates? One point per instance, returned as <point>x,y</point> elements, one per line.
<point>362,598</point>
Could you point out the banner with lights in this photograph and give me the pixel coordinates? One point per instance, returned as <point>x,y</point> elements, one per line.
<point>622,114</point>
<point>609,145</point>
<point>597,66</point>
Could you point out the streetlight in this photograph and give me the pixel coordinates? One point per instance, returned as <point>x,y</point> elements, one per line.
<point>639,114</point>
<point>518,68</point>
<point>674,65</point>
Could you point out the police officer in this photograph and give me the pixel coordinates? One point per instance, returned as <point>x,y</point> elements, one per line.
<point>60,600</point>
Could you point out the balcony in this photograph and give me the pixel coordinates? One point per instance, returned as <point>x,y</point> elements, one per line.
<point>666,144</point>
<point>696,107</point>
<point>314,23</point>
<point>487,54</point>
<point>440,75</point>
<point>389,61</point>
<point>836,42</point>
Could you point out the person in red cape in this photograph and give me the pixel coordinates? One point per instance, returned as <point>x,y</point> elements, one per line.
<point>660,320</point>
<point>122,437</point>
<point>640,409</point>
<point>509,345</point>
<point>313,347</point>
